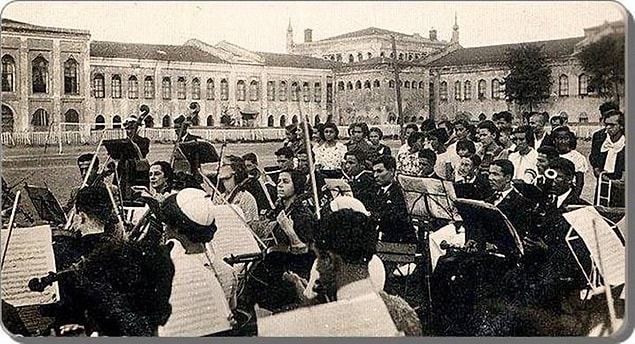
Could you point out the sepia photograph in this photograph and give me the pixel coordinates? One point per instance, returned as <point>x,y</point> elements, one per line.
<point>313,169</point>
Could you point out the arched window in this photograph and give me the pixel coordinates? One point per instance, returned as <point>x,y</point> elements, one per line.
<point>294,119</point>
<point>468,90</point>
<point>70,76</point>
<point>116,86</point>
<point>375,120</point>
<point>406,84</point>
<point>376,83</point>
<point>40,75</point>
<point>166,86</point>
<point>340,86</point>
<point>40,120</point>
<point>116,122</point>
<point>391,84</point>
<point>496,89</point>
<point>210,89</point>
<point>367,84</point>
<point>482,84</point>
<point>224,89</point>
<point>210,121</point>
<point>100,122</point>
<point>181,88</point>
<point>417,56</point>
<point>339,57</point>
<point>457,90</point>
<point>133,87</point>
<point>270,121</point>
<point>563,86</point>
<point>349,85</point>
<point>271,90</point>
<point>584,118</point>
<point>392,55</point>
<point>295,92</point>
<point>358,85</point>
<point>351,58</point>
<point>148,121</point>
<point>148,88</point>
<point>360,57</point>
<point>7,119</point>
<point>253,91</point>
<point>370,55</point>
<point>409,57</point>
<point>98,86</point>
<point>401,56</point>
<point>282,96</point>
<point>583,86</point>
<point>283,121</point>
<point>382,54</point>
<point>421,84</point>
<point>317,92</point>
<point>414,84</point>
<point>166,122</point>
<point>392,118</point>
<point>71,116</point>
<point>306,92</point>
<point>316,120</point>
<point>8,74</point>
<point>443,90</point>
<point>196,89</point>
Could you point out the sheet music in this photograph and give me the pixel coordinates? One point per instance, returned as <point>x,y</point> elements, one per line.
<point>232,235</point>
<point>365,316</point>
<point>428,197</point>
<point>198,302</point>
<point>605,247</point>
<point>29,255</point>
<point>338,187</point>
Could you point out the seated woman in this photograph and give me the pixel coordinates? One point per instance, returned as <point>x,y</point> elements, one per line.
<point>375,137</point>
<point>330,154</point>
<point>232,176</point>
<point>161,180</point>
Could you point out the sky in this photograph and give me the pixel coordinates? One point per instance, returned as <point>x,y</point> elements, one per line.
<point>261,26</point>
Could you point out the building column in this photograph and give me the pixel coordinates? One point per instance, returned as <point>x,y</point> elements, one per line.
<point>22,117</point>
<point>264,101</point>
<point>56,84</point>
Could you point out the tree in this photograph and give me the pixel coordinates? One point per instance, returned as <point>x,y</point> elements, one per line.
<point>529,80</point>
<point>603,61</point>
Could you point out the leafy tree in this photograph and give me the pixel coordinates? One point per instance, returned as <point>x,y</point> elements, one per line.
<point>529,80</point>
<point>603,61</point>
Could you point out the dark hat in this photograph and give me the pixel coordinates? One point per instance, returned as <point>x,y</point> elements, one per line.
<point>130,121</point>
<point>179,121</point>
<point>191,212</point>
<point>609,108</point>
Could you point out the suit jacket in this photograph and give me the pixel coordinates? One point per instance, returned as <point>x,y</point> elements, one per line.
<point>518,211</point>
<point>598,158</point>
<point>547,141</point>
<point>364,188</point>
<point>477,190</point>
<point>143,143</point>
<point>391,212</point>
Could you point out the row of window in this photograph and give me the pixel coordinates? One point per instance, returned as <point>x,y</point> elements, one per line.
<point>40,75</point>
<point>376,84</point>
<point>369,55</point>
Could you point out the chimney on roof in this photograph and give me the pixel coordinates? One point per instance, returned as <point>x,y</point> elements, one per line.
<point>433,34</point>
<point>308,36</point>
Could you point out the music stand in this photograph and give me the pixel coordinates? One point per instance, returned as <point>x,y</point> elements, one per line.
<point>121,149</point>
<point>429,198</point>
<point>197,153</point>
<point>46,205</point>
<point>484,222</point>
<point>529,191</point>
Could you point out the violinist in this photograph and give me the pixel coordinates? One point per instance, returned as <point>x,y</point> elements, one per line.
<point>233,177</point>
<point>83,162</point>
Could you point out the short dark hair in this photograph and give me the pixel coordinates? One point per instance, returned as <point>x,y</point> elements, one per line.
<point>359,154</point>
<point>440,134</point>
<point>489,126</point>
<point>476,160</point>
<point>573,141</point>
<point>378,131</point>
<point>284,151</point>
<point>463,122</point>
<point>562,164</point>
<point>95,202</point>
<point>350,234</point>
<point>411,126</point>
<point>328,125</point>
<point>428,125</point>
<point>389,162</point>
<point>166,168</point>
<point>428,154</point>
<point>505,115</point>
<point>414,137</point>
<point>363,126</point>
<point>467,145</point>
<point>87,157</point>
<point>251,157</point>
<point>506,166</point>
<point>529,133</point>
<point>298,179</point>
<point>550,151</point>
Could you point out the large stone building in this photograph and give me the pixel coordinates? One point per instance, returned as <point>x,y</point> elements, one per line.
<point>54,75</point>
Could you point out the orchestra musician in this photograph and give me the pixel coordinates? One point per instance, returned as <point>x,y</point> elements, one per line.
<point>83,163</point>
<point>134,171</point>
<point>609,159</point>
<point>233,181</point>
<point>360,178</point>
<point>260,185</point>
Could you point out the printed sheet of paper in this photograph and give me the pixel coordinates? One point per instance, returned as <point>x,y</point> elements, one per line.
<point>232,235</point>
<point>199,306</point>
<point>606,248</point>
<point>365,316</point>
<point>448,234</point>
<point>427,197</point>
<point>29,255</point>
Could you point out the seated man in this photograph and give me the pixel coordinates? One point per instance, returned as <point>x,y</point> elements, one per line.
<point>83,162</point>
<point>260,185</point>
<point>359,177</point>
<point>470,182</point>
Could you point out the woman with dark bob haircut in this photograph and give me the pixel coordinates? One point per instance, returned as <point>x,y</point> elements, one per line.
<point>375,137</point>
<point>330,154</point>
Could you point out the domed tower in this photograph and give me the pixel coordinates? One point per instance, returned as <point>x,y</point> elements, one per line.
<point>290,43</point>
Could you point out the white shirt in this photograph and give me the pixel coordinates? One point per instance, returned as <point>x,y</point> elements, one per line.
<point>330,158</point>
<point>523,163</point>
<point>561,198</point>
<point>502,196</point>
<point>578,160</point>
<point>405,148</point>
<point>538,141</point>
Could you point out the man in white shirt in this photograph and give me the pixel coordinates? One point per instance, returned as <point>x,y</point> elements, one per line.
<point>410,128</point>
<point>524,157</point>
<point>538,121</point>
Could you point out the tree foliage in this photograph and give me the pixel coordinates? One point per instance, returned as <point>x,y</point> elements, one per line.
<point>529,80</point>
<point>603,61</point>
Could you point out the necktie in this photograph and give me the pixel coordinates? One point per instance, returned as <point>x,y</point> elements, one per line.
<point>495,197</point>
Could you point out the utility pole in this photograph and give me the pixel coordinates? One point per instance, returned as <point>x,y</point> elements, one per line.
<point>397,88</point>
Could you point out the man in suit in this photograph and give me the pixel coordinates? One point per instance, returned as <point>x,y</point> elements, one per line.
<point>359,177</point>
<point>595,157</point>
<point>427,161</point>
<point>470,183</point>
<point>181,125</point>
<point>390,208</point>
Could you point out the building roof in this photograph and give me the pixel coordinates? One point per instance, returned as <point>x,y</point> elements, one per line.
<point>371,31</point>
<point>151,52</point>
<point>9,24</point>
<point>295,61</point>
<point>496,53</point>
